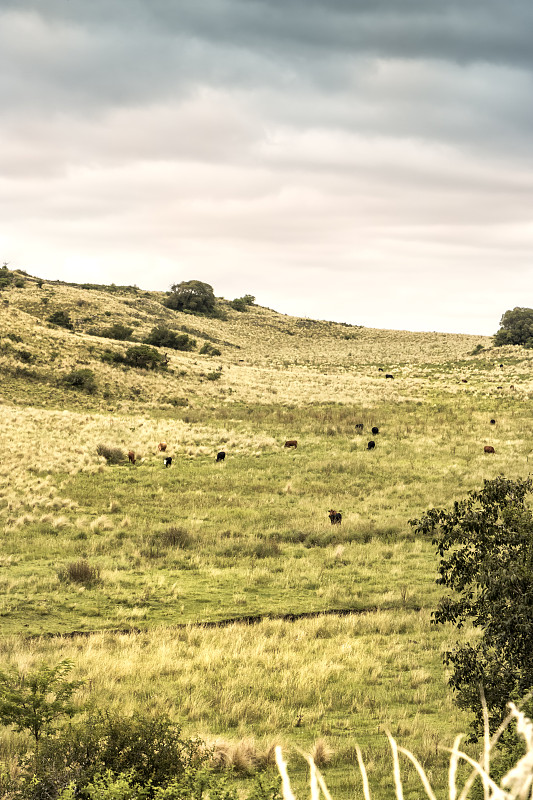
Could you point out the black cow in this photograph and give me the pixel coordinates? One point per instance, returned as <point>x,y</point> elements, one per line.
<point>493,422</point>
<point>221,456</point>
<point>370,445</point>
<point>335,517</point>
<point>388,375</point>
<point>375,430</point>
<point>167,462</point>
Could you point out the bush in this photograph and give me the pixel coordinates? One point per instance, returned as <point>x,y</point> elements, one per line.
<point>113,455</point>
<point>61,318</point>
<point>208,350</point>
<point>151,751</point>
<point>164,337</point>
<point>144,357</point>
<point>193,296</point>
<point>79,572</point>
<point>83,379</point>
<point>117,331</point>
<point>174,537</point>
<point>213,376</point>
<point>242,303</point>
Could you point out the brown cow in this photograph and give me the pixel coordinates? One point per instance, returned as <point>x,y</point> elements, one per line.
<point>162,446</point>
<point>335,517</point>
<point>291,443</point>
<point>489,448</point>
<point>131,456</point>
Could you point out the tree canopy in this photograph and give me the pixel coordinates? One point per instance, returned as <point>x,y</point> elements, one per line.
<point>193,296</point>
<point>516,328</point>
<point>485,544</point>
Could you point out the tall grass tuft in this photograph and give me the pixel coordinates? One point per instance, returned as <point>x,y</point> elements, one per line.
<point>79,572</point>
<point>113,455</point>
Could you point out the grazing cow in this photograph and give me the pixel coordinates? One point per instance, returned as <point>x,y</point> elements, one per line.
<point>380,369</point>
<point>162,446</point>
<point>493,422</point>
<point>291,443</point>
<point>388,375</point>
<point>501,365</point>
<point>499,387</point>
<point>370,445</point>
<point>131,456</point>
<point>489,448</point>
<point>358,426</point>
<point>167,462</point>
<point>221,456</point>
<point>464,380</point>
<point>375,430</point>
<point>335,517</point>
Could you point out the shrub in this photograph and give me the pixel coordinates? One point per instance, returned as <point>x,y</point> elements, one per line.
<point>213,376</point>
<point>161,336</point>
<point>242,303</point>
<point>193,296</point>
<point>117,331</point>
<point>208,350</point>
<point>83,379</point>
<point>144,357</point>
<point>113,455</point>
<point>79,572</point>
<point>151,751</point>
<point>62,319</point>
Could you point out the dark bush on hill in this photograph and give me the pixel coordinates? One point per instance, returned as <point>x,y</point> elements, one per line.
<point>82,379</point>
<point>242,303</point>
<point>194,297</point>
<point>208,350</point>
<point>117,331</point>
<point>162,336</point>
<point>62,319</point>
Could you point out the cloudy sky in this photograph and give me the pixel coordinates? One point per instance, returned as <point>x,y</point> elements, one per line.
<point>367,161</point>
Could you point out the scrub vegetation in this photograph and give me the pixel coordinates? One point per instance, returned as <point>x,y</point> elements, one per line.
<point>218,595</point>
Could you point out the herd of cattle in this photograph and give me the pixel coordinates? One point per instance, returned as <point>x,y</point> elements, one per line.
<point>335,517</point>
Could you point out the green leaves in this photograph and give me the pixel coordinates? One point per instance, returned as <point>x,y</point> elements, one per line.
<point>485,544</point>
<point>33,701</point>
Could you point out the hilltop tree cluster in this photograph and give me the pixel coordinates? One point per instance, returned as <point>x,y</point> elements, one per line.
<point>516,328</point>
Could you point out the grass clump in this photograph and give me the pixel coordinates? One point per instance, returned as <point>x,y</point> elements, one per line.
<point>174,536</point>
<point>113,455</point>
<point>79,572</point>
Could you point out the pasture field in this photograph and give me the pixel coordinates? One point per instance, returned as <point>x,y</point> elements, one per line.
<point>140,561</point>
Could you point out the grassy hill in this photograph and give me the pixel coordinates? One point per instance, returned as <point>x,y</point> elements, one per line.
<point>92,546</point>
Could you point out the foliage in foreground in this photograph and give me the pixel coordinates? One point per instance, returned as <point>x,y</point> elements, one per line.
<point>485,544</point>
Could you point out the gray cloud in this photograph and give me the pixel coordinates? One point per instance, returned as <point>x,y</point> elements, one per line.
<point>254,142</point>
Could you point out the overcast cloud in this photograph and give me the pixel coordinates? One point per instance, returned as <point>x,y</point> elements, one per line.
<point>367,161</point>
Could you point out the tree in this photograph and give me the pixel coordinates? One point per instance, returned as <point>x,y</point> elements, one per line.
<point>485,544</point>
<point>33,701</point>
<point>516,328</point>
<point>192,296</point>
<point>242,303</point>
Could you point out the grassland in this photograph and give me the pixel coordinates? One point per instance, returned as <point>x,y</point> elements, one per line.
<point>176,550</point>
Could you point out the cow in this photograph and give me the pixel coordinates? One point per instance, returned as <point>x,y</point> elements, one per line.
<point>162,446</point>
<point>499,387</point>
<point>370,445</point>
<point>489,448</point>
<point>335,517</point>
<point>493,422</point>
<point>291,443</point>
<point>167,462</point>
<point>359,426</point>
<point>380,369</point>
<point>221,456</point>
<point>375,430</point>
<point>388,375</point>
<point>464,380</point>
<point>131,456</point>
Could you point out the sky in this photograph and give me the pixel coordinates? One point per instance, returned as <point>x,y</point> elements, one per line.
<point>363,161</point>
